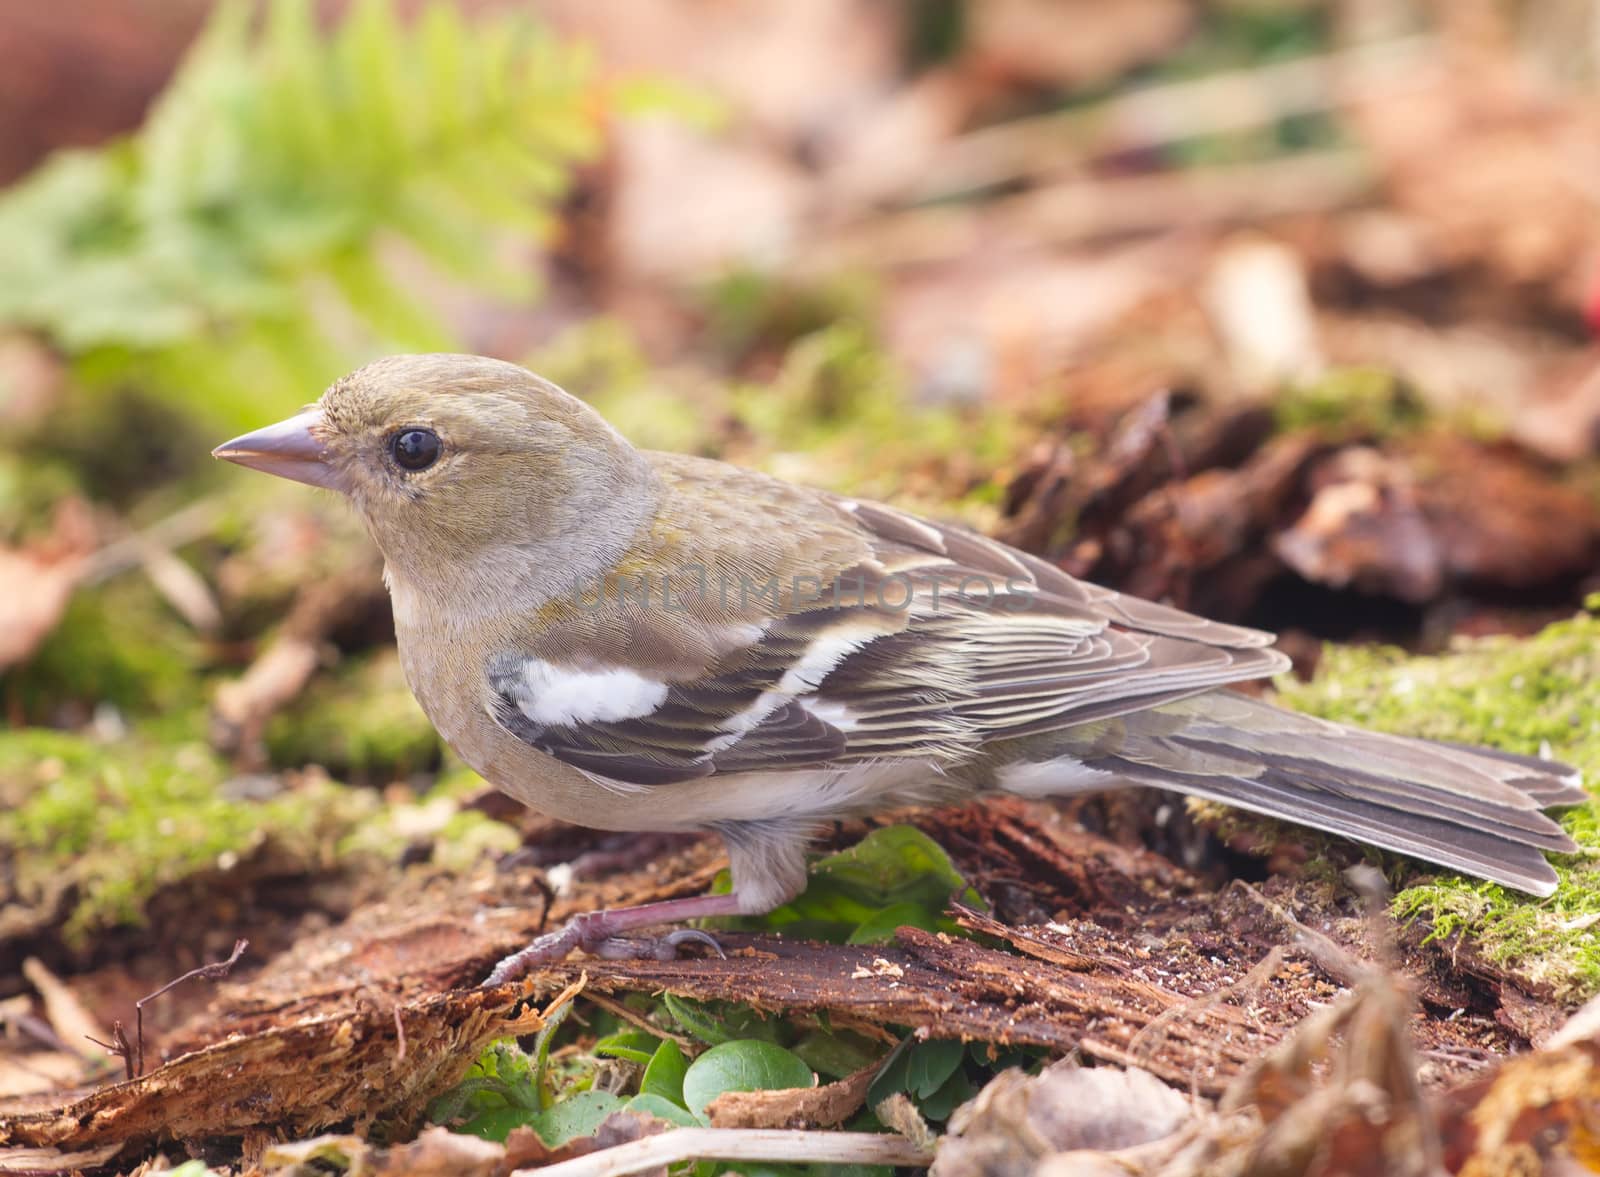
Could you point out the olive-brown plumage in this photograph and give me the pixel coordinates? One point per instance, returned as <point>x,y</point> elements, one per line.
<point>646,641</point>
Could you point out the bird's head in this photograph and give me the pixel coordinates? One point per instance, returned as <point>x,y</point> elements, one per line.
<point>454,458</point>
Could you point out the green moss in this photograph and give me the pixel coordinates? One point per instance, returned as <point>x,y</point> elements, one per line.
<point>361,724</point>
<point>750,309</point>
<point>469,837</point>
<point>1346,402</point>
<point>1529,696</point>
<point>31,484</point>
<point>118,643</point>
<point>112,824</point>
<point>601,361</point>
<point>839,417</point>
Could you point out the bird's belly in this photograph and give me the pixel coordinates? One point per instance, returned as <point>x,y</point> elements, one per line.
<point>848,790</point>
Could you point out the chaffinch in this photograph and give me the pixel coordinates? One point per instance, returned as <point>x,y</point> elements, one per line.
<point>648,641</point>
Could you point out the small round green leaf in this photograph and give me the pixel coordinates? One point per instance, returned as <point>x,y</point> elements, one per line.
<point>497,1123</point>
<point>747,1065</point>
<point>577,1115</point>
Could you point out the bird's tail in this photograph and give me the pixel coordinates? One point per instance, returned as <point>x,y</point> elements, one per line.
<point>1474,810</point>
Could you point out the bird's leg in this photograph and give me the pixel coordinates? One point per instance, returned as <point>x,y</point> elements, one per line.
<point>601,932</point>
<point>768,862</point>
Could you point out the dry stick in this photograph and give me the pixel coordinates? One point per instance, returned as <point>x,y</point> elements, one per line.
<point>1217,104</point>
<point>1337,961</point>
<point>739,1144</point>
<point>214,971</point>
<point>1081,211</point>
<point>119,1047</point>
<point>566,996</point>
<point>688,1045</point>
<point>61,1006</point>
<point>177,530</point>
<point>37,1029</point>
<point>241,707</point>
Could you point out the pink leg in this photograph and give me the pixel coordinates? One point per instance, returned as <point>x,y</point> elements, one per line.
<point>598,932</point>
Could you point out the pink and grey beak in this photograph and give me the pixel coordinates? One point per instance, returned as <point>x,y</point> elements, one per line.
<point>289,449</point>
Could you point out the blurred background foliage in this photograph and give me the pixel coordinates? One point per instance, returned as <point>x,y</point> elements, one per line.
<point>241,246</point>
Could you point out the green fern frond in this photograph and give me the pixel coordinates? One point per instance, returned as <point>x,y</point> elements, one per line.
<point>248,243</point>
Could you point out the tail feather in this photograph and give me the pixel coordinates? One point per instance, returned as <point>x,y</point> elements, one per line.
<point>1548,782</point>
<point>1478,811</point>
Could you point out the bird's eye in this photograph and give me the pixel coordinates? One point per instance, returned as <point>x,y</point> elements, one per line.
<point>415,449</point>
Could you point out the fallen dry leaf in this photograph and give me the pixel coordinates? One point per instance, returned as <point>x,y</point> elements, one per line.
<point>36,581</point>
<point>1018,1120</point>
<point>685,203</point>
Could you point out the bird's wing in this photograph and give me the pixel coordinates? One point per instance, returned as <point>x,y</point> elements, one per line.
<point>932,641</point>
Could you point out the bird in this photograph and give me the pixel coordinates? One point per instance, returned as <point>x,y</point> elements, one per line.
<point>633,640</point>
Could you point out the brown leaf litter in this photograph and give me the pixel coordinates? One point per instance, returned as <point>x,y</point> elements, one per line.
<point>1340,1096</point>
<point>294,1078</point>
<point>37,580</point>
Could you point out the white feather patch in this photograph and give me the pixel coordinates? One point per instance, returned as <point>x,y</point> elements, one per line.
<point>564,696</point>
<point>832,712</point>
<point>824,653</point>
<point>1059,777</point>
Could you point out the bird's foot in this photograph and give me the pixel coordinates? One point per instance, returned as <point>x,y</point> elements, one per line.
<point>663,947</point>
<point>602,934</point>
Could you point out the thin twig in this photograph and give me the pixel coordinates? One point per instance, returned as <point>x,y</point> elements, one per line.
<point>214,971</point>
<point>688,1045</point>
<point>119,1047</point>
<point>739,1144</point>
<point>1228,102</point>
<point>1336,960</point>
<point>177,530</point>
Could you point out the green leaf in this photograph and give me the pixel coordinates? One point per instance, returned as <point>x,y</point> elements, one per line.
<point>502,1078</point>
<point>742,1066</point>
<point>836,1055</point>
<point>918,1068</point>
<point>662,1109</point>
<point>497,1125</point>
<point>896,864</point>
<point>245,237</point>
<point>953,1092</point>
<point>577,1115</point>
<point>880,926</point>
<point>729,1023</point>
<point>635,1046</point>
<point>663,1076</point>
<point>931,1063</point>
<point>541,1051</point>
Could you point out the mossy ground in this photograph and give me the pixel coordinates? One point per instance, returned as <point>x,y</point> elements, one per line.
<point>110,824</point>
<point>1539,695</point>
<point>361,723</point>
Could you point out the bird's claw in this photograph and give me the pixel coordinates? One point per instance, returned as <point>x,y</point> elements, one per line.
<point>655,947</point>
<point>590,933</point>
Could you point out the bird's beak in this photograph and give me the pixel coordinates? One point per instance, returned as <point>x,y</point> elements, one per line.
<point>289,449</point>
